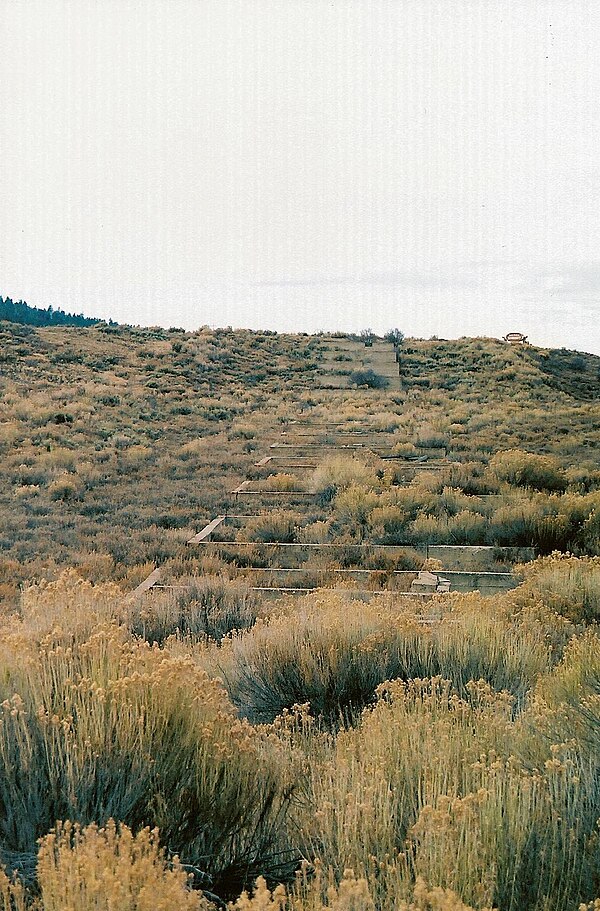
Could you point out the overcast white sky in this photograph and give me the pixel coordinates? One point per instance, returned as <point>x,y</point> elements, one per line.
<point>305,164</point>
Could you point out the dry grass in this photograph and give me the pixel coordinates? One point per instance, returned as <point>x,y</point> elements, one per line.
<point>566,584</point>
<point>337,473</point>
<point>352,893</point>
<point>448,757</point>
<point>332,652</point>
<point>431,786</point>
<point>101,869</point>
<point>105,726</point>
<point>86,481</point>
<point>488,796</point>
<point>205,607</point>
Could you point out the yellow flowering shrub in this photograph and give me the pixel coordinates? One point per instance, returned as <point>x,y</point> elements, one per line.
<point>110,869</point>
<point>111,727</point>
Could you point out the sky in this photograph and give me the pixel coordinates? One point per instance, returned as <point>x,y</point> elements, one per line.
<point>305,165</point>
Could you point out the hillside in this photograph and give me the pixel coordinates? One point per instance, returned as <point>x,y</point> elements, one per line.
<point>118,443</point>
<point>319,618</point>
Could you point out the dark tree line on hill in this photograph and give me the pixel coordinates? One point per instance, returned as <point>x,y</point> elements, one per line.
<point>20,312</point>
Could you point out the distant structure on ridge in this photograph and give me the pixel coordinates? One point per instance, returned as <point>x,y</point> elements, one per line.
<point>515,338</point>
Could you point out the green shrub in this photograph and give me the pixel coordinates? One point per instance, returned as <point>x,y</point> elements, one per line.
<point>108,728</point>
<point>566,584</point>
<point>467,528</point>
<point>388,525</point>
<point>589,536</point>
<point>436,786</point>
<point>368,378</point>
<point>427,529</point>
<point>208,607</point>
<point>274,527</point>
<point>332,653</point>
<point>526,469</point>
<point>281,481</point>
<point>66,487</point>
<point>315,533</point>
<point>337,473</point>
<point>429,439</point>
<point>353,506</point>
